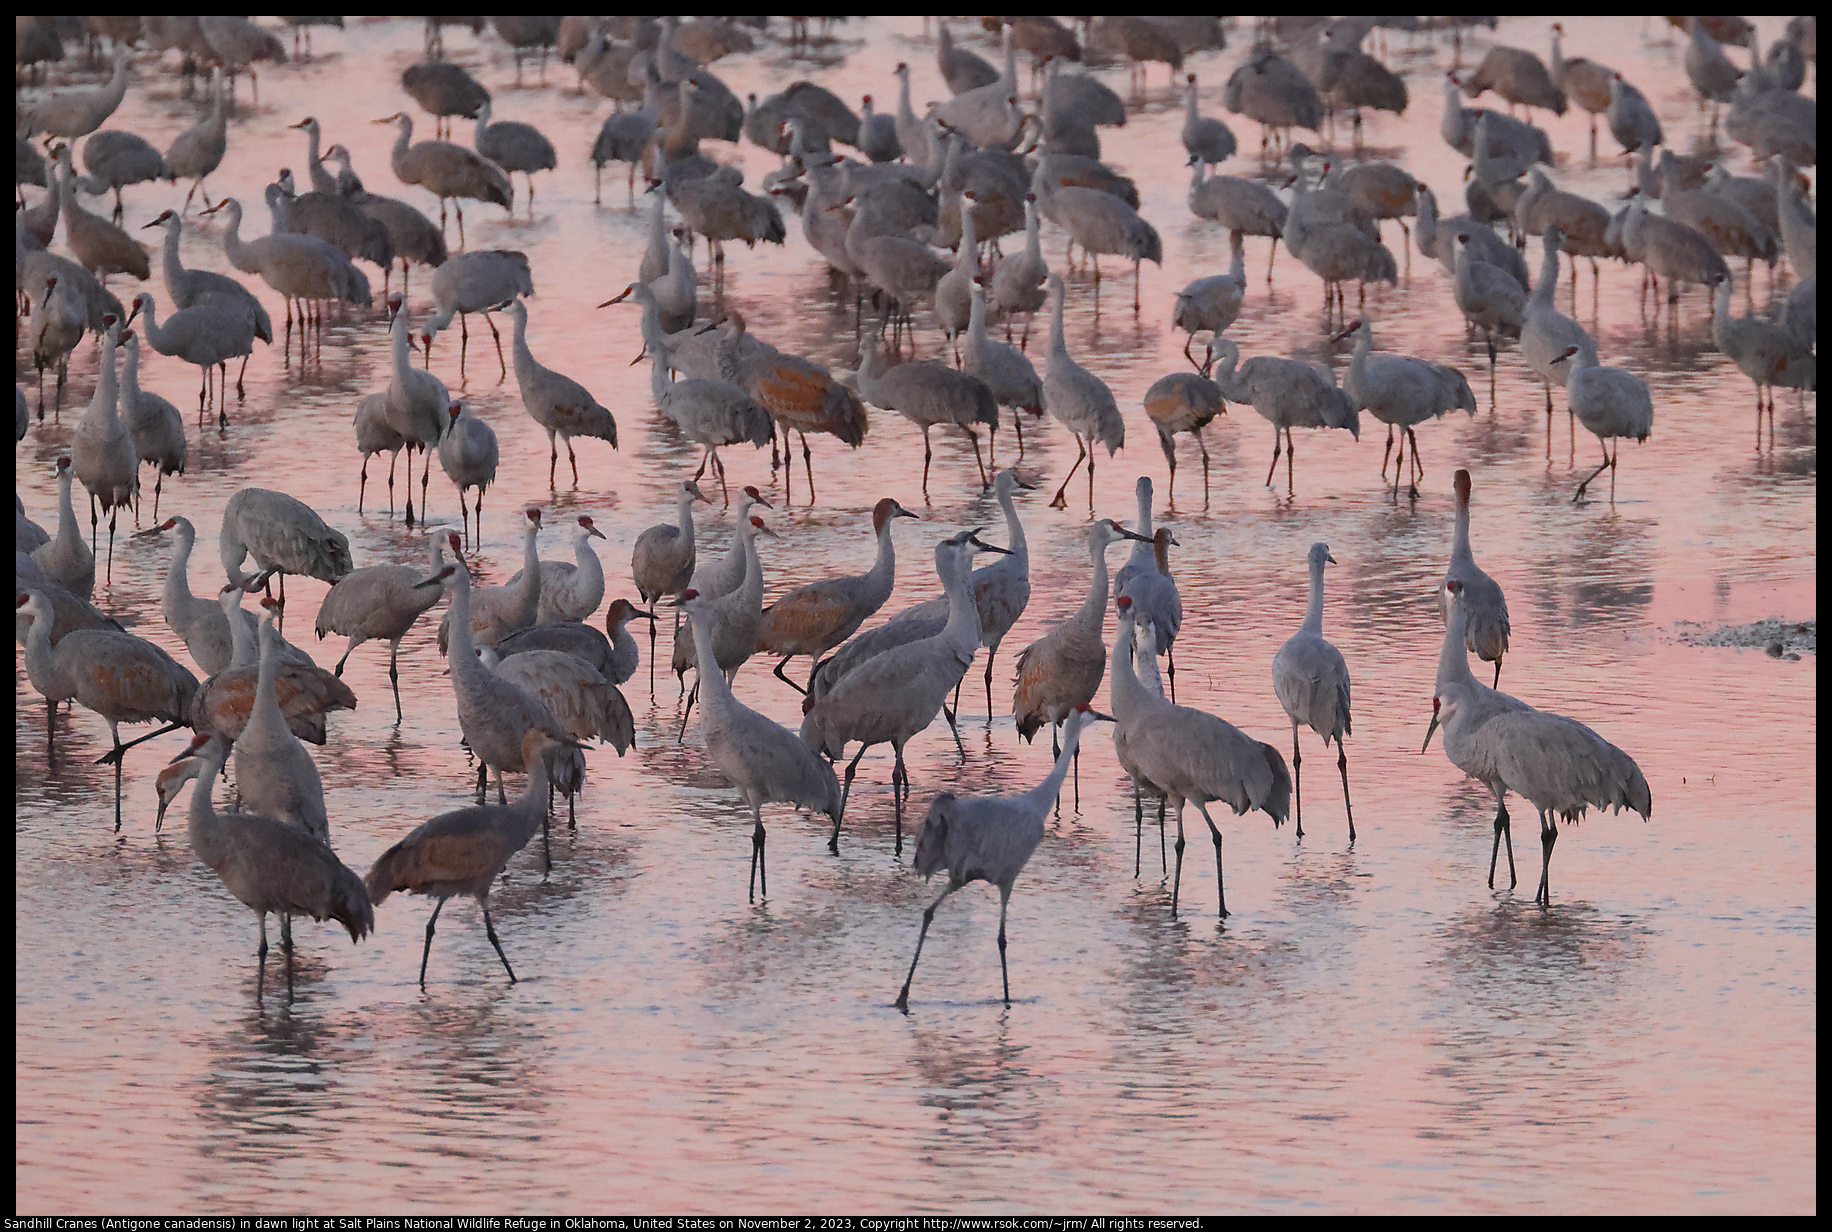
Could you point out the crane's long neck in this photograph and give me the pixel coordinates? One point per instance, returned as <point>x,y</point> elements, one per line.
<point>531,574</point>
<point>1358,363</point>
<point>397,345</point>
<point>41,662</point>
<point>461,650</point>
<point>970,245</point>
<point>1224,379</point>
<point>658,225</point>
<point>130,377</point>
<point>403,141</point>
<point>174,264</point>
<point>684,520</point>
<point>658,372</point>
<point>524,358</point>
<point>752,585</point>
<point>1015,542</point>
<point>1058,343</point>
<point>1459,543</point>
<point>178,572</point>
<point>882,576</point>
<point>233,247</point>
<point>1453,660</point>
<point>591,569</point>
<point>1010,79</point>
<point>68,535</point>
<point>1427,225</point>
<point>1194,114</point>
<point>483,123</point>
<point>242,650</point>
<point>903,99</point>
<point>108,389</point>
<point>1313,614</point>
<point>1548,276</point>
<point>1558,56</point>
<point>1094,606</point>
<point>963,627</point>
<point>715,692</point>
<point>1044,794</point>
<point>208,833</point>
<point>266,700</point>
<point>1126,692</point>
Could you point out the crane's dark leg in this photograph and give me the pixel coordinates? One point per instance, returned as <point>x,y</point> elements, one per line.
<point>489,929</point>
<point>1170,659</point>
<point>989,656</point>
<point>691,697</point>
<point>1297,776</point>
<point>1176,884</point>
<point>975,438</point>
<point>1163,867</point>
<point>928,453</point>
<point>428,949</point>
<point>928,917</point>
<point>1275,458</point>
<point>121,749</point>
<point>1221,894</point>
<point>779,675</point>
<point>286,948</point>
<point>483,781</point>
<point>118,762</point>
<point>362,485</point>
<point>900,780</point>
<point>1502,831</point>
<point>807,462</point>
<point>1291,455</point>
<point>852,768</point>
<point>1548,836</point>
<point>757,841</point>
<point>1138,827</point>
<point>1004,972</point>
<point>260,978</point>
<point>1579,494</point>
<point>1342,764</point>
<point>503,375</point>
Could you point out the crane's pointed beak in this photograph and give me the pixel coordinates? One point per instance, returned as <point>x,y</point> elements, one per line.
<point>593,530</point>
<point>1429,730</point>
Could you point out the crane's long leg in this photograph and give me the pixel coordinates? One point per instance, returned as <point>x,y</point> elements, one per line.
<point>1548,836</point>
<point>1176,884</point>
<point>1138,826</point>
<point>428,949</point>
<point>989,657</point>
<point>118,762</point>
<point>975,438</point>
<point>1579,494</point>
<point>286,948</point>
<point>1221,895</point>
<point>928,917</point>
<point>1275,458</point>
<point>691,697</point>
<point>483,781</point>
<point>1291,454</point>
<point>1004,972</point>
<point>489,929</point>
<point>928,453</point>
<point>1081,451</point>
<point>779,675</point>
<point>807,462</point>
<point>1342,764</point>
<point>757,840</point>
<point>1163,867</point>
<point>121,749</point>
<point>394,674</point>
<point>503,375</point>
<point>1502,831</point>
<point>852,768</point>
<point>900,782</point>
<point>1297,776</point>
<point>260,978</point>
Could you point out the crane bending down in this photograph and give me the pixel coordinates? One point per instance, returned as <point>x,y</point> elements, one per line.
<point>465,850</point>
<point>764,760</point>
<point>271,866</point>
<point>1561,766</point>
<point>989,838</point>
<point>283,535</point>
<point>1312,683</point>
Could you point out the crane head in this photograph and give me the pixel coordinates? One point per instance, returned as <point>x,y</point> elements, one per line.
<point>533,514</point>
<point>455,410</point>
<point>622,610</point>
<point>452,540</point>
<point>1461,483</point>
<point>1353,326</point>
<point>686,596</point>
<point>585,524</point>
<point>308,122</point>
<point>160,221</point>
<point>757,524</point>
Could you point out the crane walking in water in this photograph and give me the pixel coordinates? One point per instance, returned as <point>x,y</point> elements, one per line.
<point>989,838</point>
<point>1312,682</point>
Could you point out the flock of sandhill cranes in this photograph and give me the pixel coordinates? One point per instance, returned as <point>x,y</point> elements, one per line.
<point>534,682</point>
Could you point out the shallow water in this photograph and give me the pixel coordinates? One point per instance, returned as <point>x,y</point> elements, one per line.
<point>1372,1029</point>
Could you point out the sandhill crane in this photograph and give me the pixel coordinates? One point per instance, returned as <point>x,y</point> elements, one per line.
<point>1002,367</point>
<point>1101,223</point>
<point>1631,119</point>
<point>476,282</point>
<point>1755,193</point>
<point>449,172</point>
<point>927,393</point>
<point>677,288</point>
<point>1336,251</point>
<point>1312,683</point>
<point>1212,303</point>
<point>893,696</point>
<point>1611,402</point>
<point>463,851</point>
<point>79,110</point>
<point>1518,76</point>
<point>201,624</point>
<point>379,602</point>
<point>624,138</point>
<point>1207,139</point>
<point>1185,402</point>
<point>878,134</point>
<point>560,405</point>
<point>1155,598</point>
<point>1584,82</point>
<point>1582,224</point>
<point>468,455</point>
<point>1244,207</point>
<point>1192,755</point>
<point>1473,704</point>
<point>571,592</point>
<point>1767,353</point>
<point>497,611</point>
<point>283,535</point>
<point>1562,767</point>
<point>114,158</point>
<point>662,561</point>
<point>494,714</point>
<point>271,866</point>
<point>578,694</point>
<point>513,146</point>
<point>1018,280</point>
<point>1722,220</point>
<point>375,435</point>
<point>199,149</point>
<point>901,269</point>
<point>237,43</point>
<point>102,452</point>
<point>97,244</point>
<point>813,619</point>
<point>307,693</point>
<point>1489,298</point>
<point>322,180</point>
<point>1671,250</point>
<point>1546,332</point>
<point>1287,393</point>
<point>274,775</point>
<point>953,301</point>
<point>1274,92</point>
<point>191,288</point>
<point>156,425</point>
<point>1402,392</point>
<point>417,405</point>
<point>1710,70</point>
<point>714,579</point>
<point>1438,238</point>
<point>960,68</point>
<point>988,838</point>
<point>578,640</point>
<point>411,234</point>
<point>1382,190</point>
<point>1799,235</point>
<point>57,326</point>
<point>911,134</point>
<point>336,220</point>
<point>714,207</point>
<point>1485,608</point>
<point>65,559</point>
<point>206,334</point>
<point>797,392</point>
<point>1078,400</point>
<point>123,678</point>
<point>445,90</point>
<point>1062,669</point>
<point>765,761</point>
<point>732,618</point>
<point>300,267</point>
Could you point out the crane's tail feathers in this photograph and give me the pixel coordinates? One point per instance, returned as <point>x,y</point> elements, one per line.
<point>386,875</point>
<point>1278,800</point>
